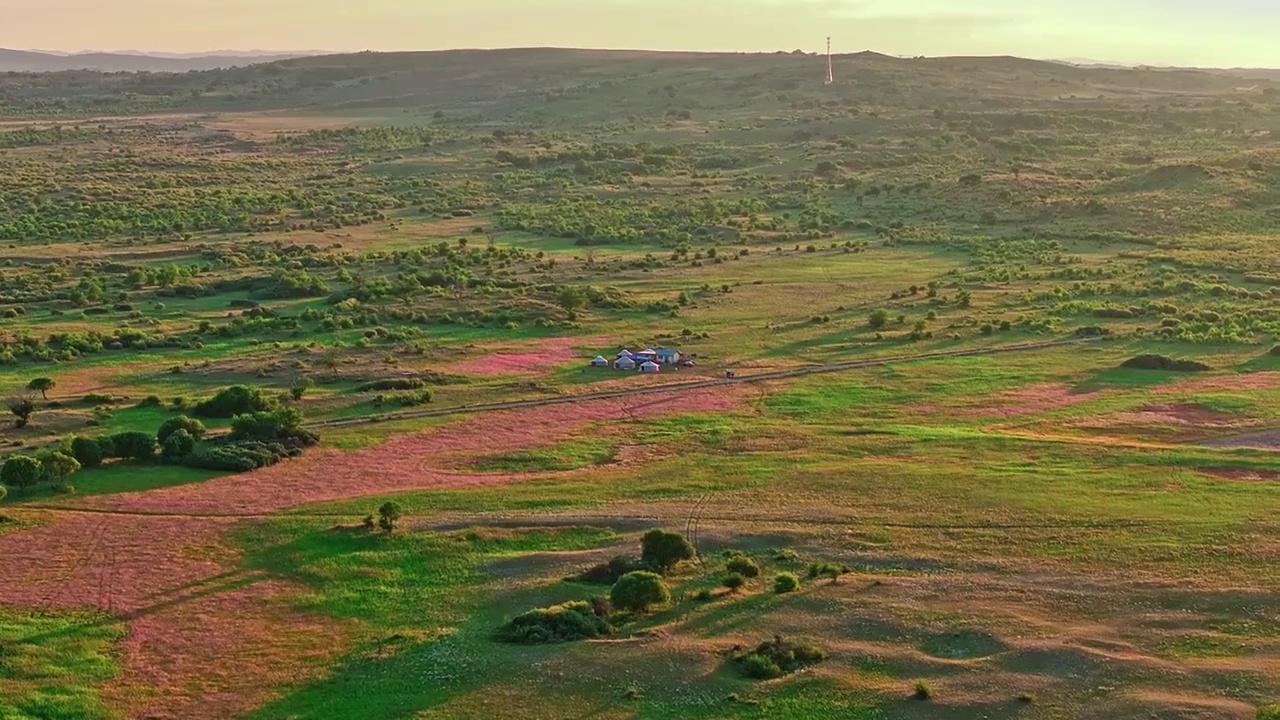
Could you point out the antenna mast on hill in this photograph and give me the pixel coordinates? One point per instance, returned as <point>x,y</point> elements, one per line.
<point>830,75</point>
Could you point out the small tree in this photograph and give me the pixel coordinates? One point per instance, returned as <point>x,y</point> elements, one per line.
<point>178,445</point>
<point>878,318</point>
<point>639,591</point>
<point>571,298</point>
<point>86,451</point>
<point>388,516</point>
<point>192,426</point>
<point>300,387</point>
<point>662,550</point>
<point>733,581</point>
<point>22,407</point>
<point>42,386</point>
<point>21,472</point>
<point>785,582</point>
<point>57,467</point>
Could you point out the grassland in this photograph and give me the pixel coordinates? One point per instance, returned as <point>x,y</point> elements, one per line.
<point>1042,534</point>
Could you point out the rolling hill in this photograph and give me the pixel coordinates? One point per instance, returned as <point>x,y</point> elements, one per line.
<point>29,61</point>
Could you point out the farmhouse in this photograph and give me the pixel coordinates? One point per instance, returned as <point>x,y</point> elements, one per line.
<point>647,360</point>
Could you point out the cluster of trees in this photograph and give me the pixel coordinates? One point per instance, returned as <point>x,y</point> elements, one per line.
<point>263,432</point>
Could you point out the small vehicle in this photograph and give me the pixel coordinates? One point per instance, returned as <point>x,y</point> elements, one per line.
<point>688,363</point>
<point>729,374</point>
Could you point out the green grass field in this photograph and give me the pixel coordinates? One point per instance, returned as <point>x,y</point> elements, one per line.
<point>1045,534</point>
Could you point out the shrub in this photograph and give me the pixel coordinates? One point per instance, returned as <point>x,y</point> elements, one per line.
<point>300,387</point>
<point>1160,362</point>
<point>878,318</point>
<point>663,550</point>
<point>87,451</point>
<point>392,384</point>
<point>388,516</point>
<point>638,591</point>
<point>279,425</point>
<point>177,445</point>
<point>923,691</point>
<point>778,657</point>
<point>241,456</point>
<point>192,426</point>
<point>609,572</point>
<point>55,467</point>
<point>785,582</point>
<point>133,445</point>
<point>4,492</point>
<point>743,566</point>
<point>235,400</point>
<point>825,569</point>
<point>570,621</point>
<point>150,401</point>
<point>22,407</point>
<point>733,581</point>
<point>1268,712</point>
<point>21,472</point>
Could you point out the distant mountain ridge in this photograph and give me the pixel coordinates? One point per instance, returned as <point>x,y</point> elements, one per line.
<point>36,61</point>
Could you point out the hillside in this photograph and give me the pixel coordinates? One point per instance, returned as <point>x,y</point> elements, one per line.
<point>551,85</point>
<point>28,61</point>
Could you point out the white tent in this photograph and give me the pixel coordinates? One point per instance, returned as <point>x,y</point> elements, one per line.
<point>600,362</point>
<point>650,367</point>
<point>624,363</point>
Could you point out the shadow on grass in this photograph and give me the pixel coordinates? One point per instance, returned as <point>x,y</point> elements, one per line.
<point>1124,378</point>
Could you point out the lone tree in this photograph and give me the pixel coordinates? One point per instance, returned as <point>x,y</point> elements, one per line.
<point>878,318</point>
<point>388,516</point>
<point>21,472</point>
<point>663,550</point>
<point>22,407</point>
<point>42,386</point>
<point>300,387</point>
<point>638,591</point>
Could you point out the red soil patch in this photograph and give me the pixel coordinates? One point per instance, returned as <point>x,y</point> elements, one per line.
<point>411,461</point>
<point>1032,399</point>
<point>199,639</point>
<point>1222,383</point>
<point>536,359</point>
<point>1233,473</point>
<point>1176,414</point>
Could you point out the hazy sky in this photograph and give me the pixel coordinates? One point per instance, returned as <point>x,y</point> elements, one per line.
<point>1187,32</point>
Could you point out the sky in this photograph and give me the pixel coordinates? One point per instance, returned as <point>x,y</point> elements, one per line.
<point>1218,33</point>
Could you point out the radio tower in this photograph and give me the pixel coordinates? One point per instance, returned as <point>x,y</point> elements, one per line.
<point>830,76</point>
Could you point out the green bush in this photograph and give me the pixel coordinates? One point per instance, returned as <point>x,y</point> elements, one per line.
<point>4,492</point>
<point>785,582</point>
<point>21,472</point>
<point>56,467</point>
<point>778,657</point>
<point>638,591</point>
<point>608,573</point>
<point>744,566</point>
<point>194,428</point>
<point>878,318</point>
<point>178,445</point>
<point>1160,362</point>
<point>1268,712</point>
<point>923,691</point>
<point>235,400</point>
<point>87,451</point>
<point>241,456</point>
<point>266,426</point>
<point>825,569</point>
<point>663,550</point>
<point>733,581</point>
<point>570,621</point>
<point>133,445</point>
